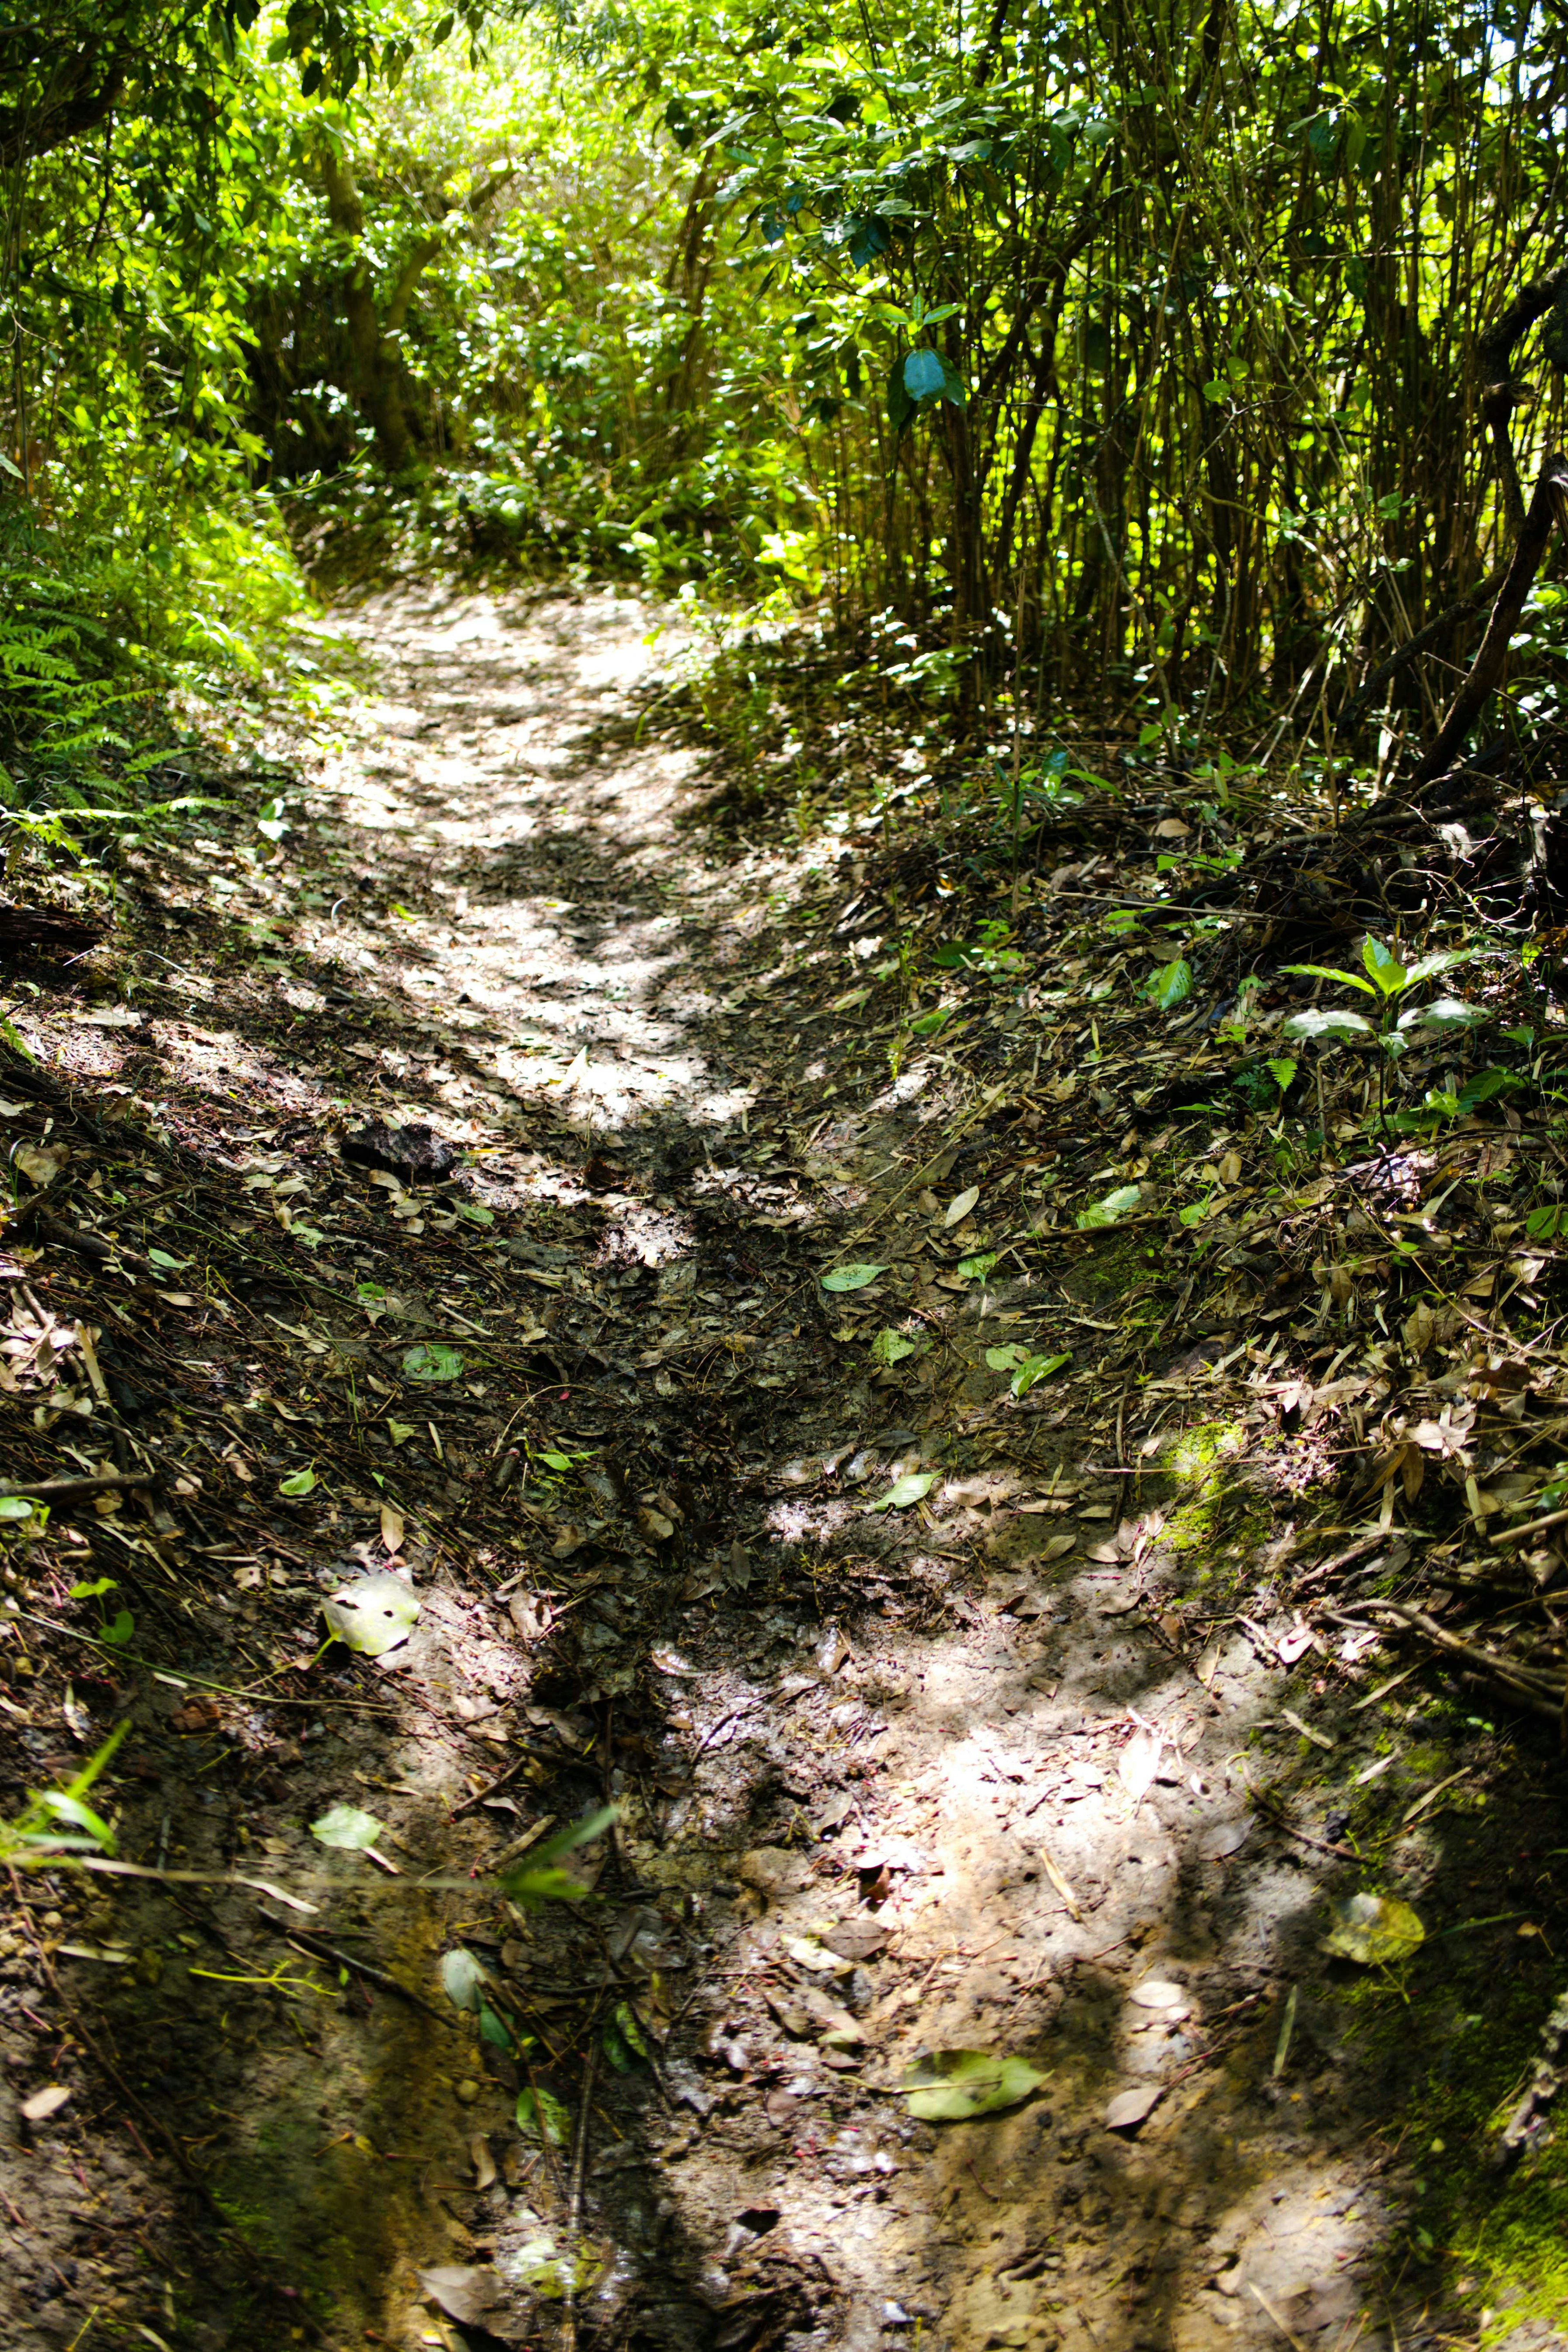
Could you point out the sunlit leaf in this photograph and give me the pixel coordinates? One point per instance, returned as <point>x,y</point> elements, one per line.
<point>1325,1022</point>
<point>373,1614</point>
<point>1169,983</point>
<point>1389,975</point>
<point>950,2085</point>
<point>1116,1205</point>
<point>1330,971</point>
<point>1373,1929</point>
<point>431,1360</point>
<point>1446,1014</point>
<point>347,1825</point>
<point>911,1488</point>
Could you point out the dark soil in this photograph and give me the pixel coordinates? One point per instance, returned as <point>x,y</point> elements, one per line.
<point>444,1190</point>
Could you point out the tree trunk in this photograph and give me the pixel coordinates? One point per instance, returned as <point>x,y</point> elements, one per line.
<point>377,376</point>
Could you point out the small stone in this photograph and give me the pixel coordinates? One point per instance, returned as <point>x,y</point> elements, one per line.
<point>467,2091</point>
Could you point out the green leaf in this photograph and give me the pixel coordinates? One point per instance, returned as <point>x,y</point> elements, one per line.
<point>1036,1368</point>
<point>1111,1210</point>
<point>347,1825</point>
<point>431,1360</point>
<point>373,1614</point>
<point>119,1631</point>
<point>851,1277</point>
<point>1329,971</point>
<point>17,1506</point>
<point>923,375</point>
<point>890,1348</point>
<point>1428,967</point>
<point>1326,1022</point>
<point>493,2029</point>
<point>1373,1929</point>
<point>534,2106</point>
<point>1447,1014</point>
<point>1169,983</point>
<point>170,1265</point>
<point>1283,1073</point>
<point>91,1592</point>
<point>1388,973</point>
<point>975,1269</point>
<point>476,1212</point>
<point>910,1489</point>
<point>929,1023</point>
<point>1542,1223</point>
<point>950,2085</point>
<point>1007,1358</point>
<point>299,1482</point>
<point>370,1294</point>
<point>553,1461</point>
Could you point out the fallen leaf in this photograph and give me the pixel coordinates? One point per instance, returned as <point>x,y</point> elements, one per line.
<point>1155,1993</point>
<point>1137,1765</point>
<point>43,2103</point>
<point>431,1360</point>
<point>392,1527</point>
<point>959,1206</point>
<point>299,1482</point>
<point>373,1615</point>
<point>463,1978</point>
<point>910,1489</point>
<point>1111,1210</point>
<point>806,1952</point>
<point>556,2118</point>
<point>196,1714</point>
<point>40,1163</point>
<point>484,2163</point>
<point>1130,2108</point>
<point>890,1348</point>
<point>1373,1929</point>
<point>467,2293</point>
<point>347,1826</point>
<point>948,2086</point>
<point>856,1939</point>
<point>851,1277</point>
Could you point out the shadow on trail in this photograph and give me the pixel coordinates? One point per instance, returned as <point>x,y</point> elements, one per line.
<point>1006,1770</point>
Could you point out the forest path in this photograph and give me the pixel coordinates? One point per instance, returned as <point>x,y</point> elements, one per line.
<point>891,1783</point>
<point>879,1665</point>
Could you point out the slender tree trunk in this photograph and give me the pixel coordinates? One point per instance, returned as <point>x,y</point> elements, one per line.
<point>377,377</point>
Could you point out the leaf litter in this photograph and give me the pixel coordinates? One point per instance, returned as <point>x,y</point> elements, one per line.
<point>1314,1398</point>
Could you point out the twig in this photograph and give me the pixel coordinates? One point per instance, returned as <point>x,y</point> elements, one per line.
<point>72,1490</point>
<point>574,2211</point>
<point>480,1796</point>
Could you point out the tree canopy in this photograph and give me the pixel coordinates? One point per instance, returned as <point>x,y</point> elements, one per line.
<point>1138,351</point>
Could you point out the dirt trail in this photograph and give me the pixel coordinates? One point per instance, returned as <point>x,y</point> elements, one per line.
<point>931,1777</point>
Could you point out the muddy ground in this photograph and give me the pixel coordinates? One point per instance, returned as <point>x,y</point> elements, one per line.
<point>934,1720</point>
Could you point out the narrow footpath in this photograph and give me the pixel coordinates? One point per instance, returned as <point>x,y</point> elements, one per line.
<point>943,1981</point>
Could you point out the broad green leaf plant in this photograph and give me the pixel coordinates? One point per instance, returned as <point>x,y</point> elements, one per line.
<point>1389,980</point>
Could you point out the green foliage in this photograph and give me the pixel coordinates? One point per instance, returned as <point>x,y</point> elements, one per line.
<point>59,1822</point>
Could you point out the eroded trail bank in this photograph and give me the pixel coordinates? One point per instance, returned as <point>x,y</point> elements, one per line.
<point>938,1718</point>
